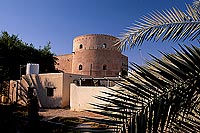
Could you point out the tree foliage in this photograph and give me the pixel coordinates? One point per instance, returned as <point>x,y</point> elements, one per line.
<point>14,52</point>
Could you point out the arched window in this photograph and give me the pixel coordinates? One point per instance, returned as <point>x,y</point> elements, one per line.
<point>104,45</point>
<point>104,67</point>
<point>80,46</point>
<point>80,67</point>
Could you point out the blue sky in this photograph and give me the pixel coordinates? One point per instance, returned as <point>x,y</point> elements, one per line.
<point>59,21</point>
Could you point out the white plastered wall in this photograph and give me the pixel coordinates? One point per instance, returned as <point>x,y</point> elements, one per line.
<point>81,96</point>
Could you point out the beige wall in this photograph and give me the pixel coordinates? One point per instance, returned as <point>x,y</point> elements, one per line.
<point>67,79</point>
<point>61,82</point>
<point>81,96</point>
<point>66,93</point>
<point>49,80</point>
<point>12,90</point>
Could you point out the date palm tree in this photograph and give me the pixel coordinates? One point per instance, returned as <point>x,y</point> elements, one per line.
<point>174,25</point>
<point>163,95</point>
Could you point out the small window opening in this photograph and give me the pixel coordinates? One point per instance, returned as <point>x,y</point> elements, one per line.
<point>104,45</point>
<point>80,67</point>
<point>50,91</point>
<point>104,67</point>
<point>80,46</point>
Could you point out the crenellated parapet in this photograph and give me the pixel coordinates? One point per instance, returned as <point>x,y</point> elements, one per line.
<point>96,35</point>
<point>95,41</point>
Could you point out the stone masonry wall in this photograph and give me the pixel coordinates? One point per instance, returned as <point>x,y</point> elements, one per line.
<point>97,55</point>
<point>94,55</point>
<point>64,63</point>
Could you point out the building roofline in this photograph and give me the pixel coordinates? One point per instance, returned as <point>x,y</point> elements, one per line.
<point>63,55</point>
<point>95,35</point>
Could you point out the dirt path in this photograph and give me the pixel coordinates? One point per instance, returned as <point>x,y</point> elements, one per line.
<point>83,127</point>
<point>50,113</point>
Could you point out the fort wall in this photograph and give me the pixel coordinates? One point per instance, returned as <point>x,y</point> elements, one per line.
<point>95,55</point>
<point>64,63</point>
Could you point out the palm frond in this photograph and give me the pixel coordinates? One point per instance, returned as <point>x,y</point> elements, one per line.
<point>145,103</point>
<point>172,25</point>
<point>196,5</point>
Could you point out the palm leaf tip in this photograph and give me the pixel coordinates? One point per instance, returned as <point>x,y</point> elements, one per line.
<point>172,25</point>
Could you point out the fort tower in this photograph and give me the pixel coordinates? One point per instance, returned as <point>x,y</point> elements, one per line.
<point>94,55</point>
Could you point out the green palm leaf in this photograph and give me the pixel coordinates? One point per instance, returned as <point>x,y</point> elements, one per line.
<point>168,107</point>
<point>172,25</point>
<point>162,96</point>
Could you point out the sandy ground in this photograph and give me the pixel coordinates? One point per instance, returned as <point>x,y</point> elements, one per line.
<point>51,113</point>
<point>85,127</point>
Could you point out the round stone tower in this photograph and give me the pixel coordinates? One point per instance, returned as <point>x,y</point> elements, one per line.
<point>95,55</point>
